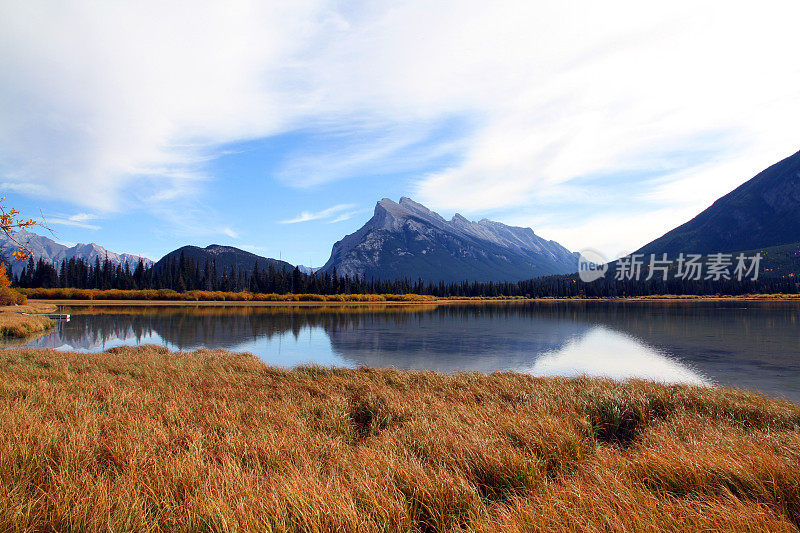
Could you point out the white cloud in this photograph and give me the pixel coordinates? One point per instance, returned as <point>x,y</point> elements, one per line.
<point>335,211</point>
<point>83,217</point>
<point>614,235</point>
<point>107,95</point>
<point>24,188</point>
<point>104,98</point>
<point>78,220</point>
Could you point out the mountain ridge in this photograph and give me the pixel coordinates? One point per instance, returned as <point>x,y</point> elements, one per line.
<point>42,247</point>
<point>405,239</point>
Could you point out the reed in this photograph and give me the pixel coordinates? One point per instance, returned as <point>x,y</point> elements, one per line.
<point>143,439</point>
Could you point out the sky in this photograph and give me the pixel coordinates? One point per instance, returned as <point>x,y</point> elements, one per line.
<point>276,126</point>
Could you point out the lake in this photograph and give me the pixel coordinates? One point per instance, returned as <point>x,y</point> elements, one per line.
<point>753,345</point>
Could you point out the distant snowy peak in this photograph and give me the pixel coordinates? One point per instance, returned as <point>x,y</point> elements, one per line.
<point>42,247</point>
<point>307,270</point>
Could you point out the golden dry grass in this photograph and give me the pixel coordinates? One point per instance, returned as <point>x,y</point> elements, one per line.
<point>148,440</point>
<point>71,296</point>
<point>213,296</point>
<point>23,320</point>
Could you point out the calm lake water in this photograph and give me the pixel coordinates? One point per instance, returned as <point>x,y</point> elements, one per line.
<point>754,345</point>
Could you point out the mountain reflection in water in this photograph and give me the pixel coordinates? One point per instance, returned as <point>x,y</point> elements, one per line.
<point>753,345</point>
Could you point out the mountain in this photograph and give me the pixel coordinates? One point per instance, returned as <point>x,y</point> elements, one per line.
<point>225,258</point>
<point>408,240</point>
<point>307,270</point>
<point>763,212</point>
<point>53,252</point>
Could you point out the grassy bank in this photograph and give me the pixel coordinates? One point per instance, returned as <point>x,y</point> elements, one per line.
<point>148,440</point>
<point>168,296</point>
<point>24,320</point>
<point>211,296</point>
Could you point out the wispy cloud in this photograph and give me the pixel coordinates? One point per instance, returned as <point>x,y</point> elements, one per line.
<point>334,213</point>
<point>78,220</point>
<point>372,148</point>
<point>33,189</point>
<point>230,233</point>
<point>83,217</point>
<point>347,216</point>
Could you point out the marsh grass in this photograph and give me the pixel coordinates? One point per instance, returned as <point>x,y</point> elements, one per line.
<point>143,439</point>
<point>170,295</point>
<point>24,320</point>
<point>213,296</point>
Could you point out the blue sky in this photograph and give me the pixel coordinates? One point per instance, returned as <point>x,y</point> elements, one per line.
<point>277,126</point>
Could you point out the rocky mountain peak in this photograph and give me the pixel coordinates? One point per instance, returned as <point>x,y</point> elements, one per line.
<point>459,219</point>
<point>390,206</point>
<point>393,215</point>
<point>418,209</point>
<point>406,239</point>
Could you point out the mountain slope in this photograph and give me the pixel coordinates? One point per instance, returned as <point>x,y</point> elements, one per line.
<point>763,212</point>
<point>44,248</point>
<point>224,257</point>
<point>408,240</point>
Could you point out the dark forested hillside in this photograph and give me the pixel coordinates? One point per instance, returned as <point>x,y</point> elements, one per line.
<point>223,257</point>
<point>763,212</point>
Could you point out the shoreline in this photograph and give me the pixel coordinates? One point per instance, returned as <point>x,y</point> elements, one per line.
<point>442,301</point>
<point>23,321</point>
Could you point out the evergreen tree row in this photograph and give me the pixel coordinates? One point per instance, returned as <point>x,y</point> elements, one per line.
<point>184,274</point>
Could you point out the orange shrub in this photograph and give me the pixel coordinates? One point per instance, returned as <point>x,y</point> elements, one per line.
<point>4,280</point>
<point>9,296</point>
